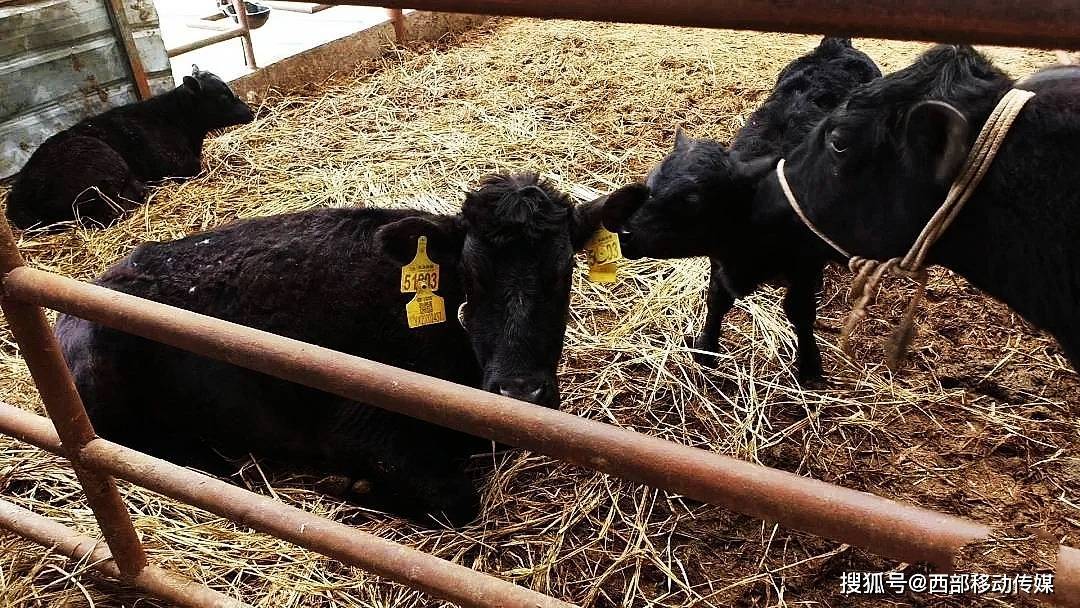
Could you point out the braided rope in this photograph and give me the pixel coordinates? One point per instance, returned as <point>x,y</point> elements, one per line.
<point>869,273</point>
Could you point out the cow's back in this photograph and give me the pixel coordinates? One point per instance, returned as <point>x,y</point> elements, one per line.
<point>806,90</point>
<point>315,277</point>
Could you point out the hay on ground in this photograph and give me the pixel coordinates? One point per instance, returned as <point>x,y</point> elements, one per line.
<point>980,423</point>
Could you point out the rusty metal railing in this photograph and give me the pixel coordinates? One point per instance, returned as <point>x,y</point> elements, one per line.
<point>879,525</point>
<point>243,31</point>
<point>882,526</point>
<point>1049,24</point>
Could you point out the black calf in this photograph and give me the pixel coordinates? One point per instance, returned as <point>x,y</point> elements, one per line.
<point>698,201</point>
<point>97,170</point>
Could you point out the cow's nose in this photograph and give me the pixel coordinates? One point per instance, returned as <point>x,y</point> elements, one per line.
<point>524,389</point>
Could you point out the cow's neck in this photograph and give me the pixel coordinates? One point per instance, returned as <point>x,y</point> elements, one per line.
<point>1017,238</point>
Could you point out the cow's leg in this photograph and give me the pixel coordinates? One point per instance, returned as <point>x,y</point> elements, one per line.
<point>800,304</point>
<point>718,302</point>
<point>1069,341</point>
<point>421,484</point>
<point>414,468</point>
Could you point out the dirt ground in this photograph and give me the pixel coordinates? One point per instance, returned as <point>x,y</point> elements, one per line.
<point>981,422</point>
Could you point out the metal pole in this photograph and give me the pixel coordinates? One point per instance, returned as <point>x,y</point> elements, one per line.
<point>397,17</point>
<point>155,581</point>
<point>198,44</point>
<point>882,526</point>
<point>242,17</point>
<point>1047,24</point>
<point>335,540</point>
<point>42,354</point>
<point>391,560</point>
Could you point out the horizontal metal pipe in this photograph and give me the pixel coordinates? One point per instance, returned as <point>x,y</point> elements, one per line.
<point>229,34</point>
<point>391,560</point>
<point>151,579</point>
<point>189,486</point>
<point>882,526</point>
<point>1045,24</point>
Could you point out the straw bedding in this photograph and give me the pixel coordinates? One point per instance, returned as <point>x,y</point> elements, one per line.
<point>980,423</point>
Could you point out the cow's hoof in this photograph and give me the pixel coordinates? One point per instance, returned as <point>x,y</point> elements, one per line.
<point>812,376</point>
<point>334,485</point>
<point>702,343</point>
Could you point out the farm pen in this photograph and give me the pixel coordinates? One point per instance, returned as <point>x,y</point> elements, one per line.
<point>23,285</point>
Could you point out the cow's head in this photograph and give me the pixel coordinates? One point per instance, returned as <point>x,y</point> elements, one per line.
<point>513,246</point>
<point>872,173</point>
<point>697,194</point>
<point>215,105</point>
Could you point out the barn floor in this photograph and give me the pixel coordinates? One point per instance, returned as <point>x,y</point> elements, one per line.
<point>981,423</point>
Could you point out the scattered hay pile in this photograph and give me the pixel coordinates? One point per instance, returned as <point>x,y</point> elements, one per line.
<point>979,424</point>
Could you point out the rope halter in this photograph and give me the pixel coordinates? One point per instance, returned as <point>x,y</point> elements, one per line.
<point>869,273</point>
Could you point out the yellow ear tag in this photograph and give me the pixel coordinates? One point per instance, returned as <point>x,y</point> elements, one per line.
<point>421,276</point>
<point>604,253</point>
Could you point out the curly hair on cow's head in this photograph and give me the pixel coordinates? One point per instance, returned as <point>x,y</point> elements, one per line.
<point>515,207</point>
<point>955,73</point>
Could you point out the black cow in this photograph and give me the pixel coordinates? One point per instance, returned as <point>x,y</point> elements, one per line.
<point>332,277</point>
<point>874,171</point>
<point>97,170</point>
<point>698,201</point>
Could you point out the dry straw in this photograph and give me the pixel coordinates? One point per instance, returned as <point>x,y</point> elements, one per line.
<point>981,425</point>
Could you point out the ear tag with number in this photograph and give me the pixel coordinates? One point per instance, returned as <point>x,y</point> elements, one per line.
<point>604,253</point>
<point>421,276</point>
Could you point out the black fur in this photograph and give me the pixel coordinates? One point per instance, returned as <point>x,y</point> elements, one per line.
<point>698,200</point>
<point>111,157</point>
<point>331,277</point>
<point>1016,238</point>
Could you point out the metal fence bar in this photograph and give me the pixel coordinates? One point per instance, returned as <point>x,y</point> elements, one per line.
<point>39,348</point>
<point>397,18</point>
<point>151,579</point>
<point>1047,24</point>
<point>242,31</point>
<point>882,526</point>
<point>245,36</point>
<point>235,32</point>
<point>391,560</point>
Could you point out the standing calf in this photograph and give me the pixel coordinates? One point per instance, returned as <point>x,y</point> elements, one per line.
<point>97,170</point>
<point>698,201</point>
<point>332,277</point>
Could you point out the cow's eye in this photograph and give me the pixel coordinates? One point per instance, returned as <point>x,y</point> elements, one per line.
<point>836,142</point>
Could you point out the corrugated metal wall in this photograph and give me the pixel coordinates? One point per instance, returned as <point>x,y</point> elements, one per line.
<point>60,62</point>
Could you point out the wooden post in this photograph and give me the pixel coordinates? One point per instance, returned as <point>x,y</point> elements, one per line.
<point>122,29</point>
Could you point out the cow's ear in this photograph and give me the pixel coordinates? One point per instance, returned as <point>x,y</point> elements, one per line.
<point>193,84</point>
<point>397,240</point>
<point>682,141</point>
<point>937,133</point>
<point>751,171</point>
<point>621,204</point>
<point>586,221</point>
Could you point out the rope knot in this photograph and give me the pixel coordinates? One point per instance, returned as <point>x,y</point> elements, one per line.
<point>869,273</point>
<point>864,289</point>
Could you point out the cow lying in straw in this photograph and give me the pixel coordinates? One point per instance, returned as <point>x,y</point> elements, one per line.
<point>97,169</point>
<point>333,277</point>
